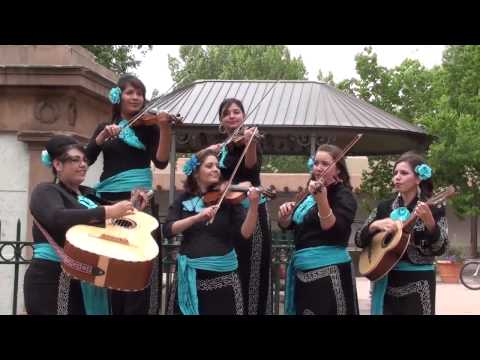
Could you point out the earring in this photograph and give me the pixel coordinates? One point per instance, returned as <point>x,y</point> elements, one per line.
<point>419,192</point>
<point>221,129</point>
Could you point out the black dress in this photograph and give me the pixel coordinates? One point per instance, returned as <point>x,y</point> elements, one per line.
<point>119,157</point>
<point>254,256</point>
<point>47,289</point>
<point>330,289</point>
<point>410,292</point>
<point>219,293</point>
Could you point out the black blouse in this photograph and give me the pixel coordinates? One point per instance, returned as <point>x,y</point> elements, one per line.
<point>424,246</point>
<point>56,208</point>
<point>310,233</point>
<point>243,173</point>
<point>202,240</point>
<point>119,157</point>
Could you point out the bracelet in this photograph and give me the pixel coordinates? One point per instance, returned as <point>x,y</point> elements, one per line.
<point>325,217</point>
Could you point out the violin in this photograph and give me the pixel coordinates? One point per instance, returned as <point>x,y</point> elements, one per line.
<point>324,182</point>
<point>236,193</point>
<point>239,138</point>
<point>150,118</point>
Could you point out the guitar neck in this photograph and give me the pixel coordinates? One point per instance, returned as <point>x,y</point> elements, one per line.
<point>409,224</point>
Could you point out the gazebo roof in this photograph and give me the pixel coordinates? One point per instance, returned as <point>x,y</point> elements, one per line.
<point>291,114</point>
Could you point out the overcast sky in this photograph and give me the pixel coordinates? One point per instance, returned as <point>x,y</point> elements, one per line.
<point>339,59</point>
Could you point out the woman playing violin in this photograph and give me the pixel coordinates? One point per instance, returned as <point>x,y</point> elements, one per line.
<point>127,154</point>
<point>410,287</point>
<point>254,256</point>
<point>320,278</point>
<point>207,281</point>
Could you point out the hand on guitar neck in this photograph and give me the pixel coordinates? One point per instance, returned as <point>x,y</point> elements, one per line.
<point>119,209</point>
<point>140,197</point>
<point>423,211</point>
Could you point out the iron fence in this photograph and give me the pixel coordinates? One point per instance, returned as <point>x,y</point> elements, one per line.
<point>282,249</point>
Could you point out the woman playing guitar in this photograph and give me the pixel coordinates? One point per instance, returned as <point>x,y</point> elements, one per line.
<point>58,206</point>
<point>409,288</point>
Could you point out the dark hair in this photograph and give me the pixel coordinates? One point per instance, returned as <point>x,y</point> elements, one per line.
<point>413,159</point>
<point>58,147</point>
<point>335,152</point>
<point>226,104</point>
<point>190,185</point>
<point>122,84</point>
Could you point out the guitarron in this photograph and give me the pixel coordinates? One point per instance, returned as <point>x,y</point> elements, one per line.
<point>124,250</point>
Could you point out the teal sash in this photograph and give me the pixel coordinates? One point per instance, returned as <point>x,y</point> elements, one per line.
<point>126,181</point>
<point>307,259</point>
<point>187,277</point>
<point>95,299</point>
<point>45,251</point>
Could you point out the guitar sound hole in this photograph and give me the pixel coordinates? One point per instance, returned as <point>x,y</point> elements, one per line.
<point>126,223</point>
<point>387,239</point>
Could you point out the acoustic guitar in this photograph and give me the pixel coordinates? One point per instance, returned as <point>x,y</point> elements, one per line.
<point>123,251</point>
<point>386,249</point>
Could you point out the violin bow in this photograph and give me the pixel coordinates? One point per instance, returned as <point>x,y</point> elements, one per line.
<point>342,154</point>
<point>230,180</point>
<point>237,130</point>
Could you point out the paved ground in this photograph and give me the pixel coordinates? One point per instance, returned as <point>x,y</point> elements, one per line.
<point>451,299</point>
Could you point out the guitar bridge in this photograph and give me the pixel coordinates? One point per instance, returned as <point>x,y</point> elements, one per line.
<point>113,239</point>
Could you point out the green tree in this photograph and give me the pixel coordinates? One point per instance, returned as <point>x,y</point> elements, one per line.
<point>455,153</point>
<point>239,62</point>
<point>326,78</point>
<point>408,91</point>
<point>446,101</point>
<point>118,58</point>
<point>462,68</point>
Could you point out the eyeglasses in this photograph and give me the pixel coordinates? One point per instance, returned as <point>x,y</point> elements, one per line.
<point>76,159</point>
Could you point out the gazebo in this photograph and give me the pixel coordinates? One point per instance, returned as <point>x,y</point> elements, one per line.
<point>294,115</point>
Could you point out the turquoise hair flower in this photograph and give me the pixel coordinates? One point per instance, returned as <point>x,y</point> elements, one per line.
<point>423,171</point>
<point>310,164</point>
<point>114,95</point>
<point>46,160</point>
<point>191,165</point>
<point>400,213</point>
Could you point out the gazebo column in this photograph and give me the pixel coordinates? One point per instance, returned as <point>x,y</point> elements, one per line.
<point>313,144</point>
<point>173,167</point>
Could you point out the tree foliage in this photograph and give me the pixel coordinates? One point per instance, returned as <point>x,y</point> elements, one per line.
<point>238,62</point>
<point>118,58</point>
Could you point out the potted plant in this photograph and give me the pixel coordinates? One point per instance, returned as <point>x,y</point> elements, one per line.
<point>450,264</point>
